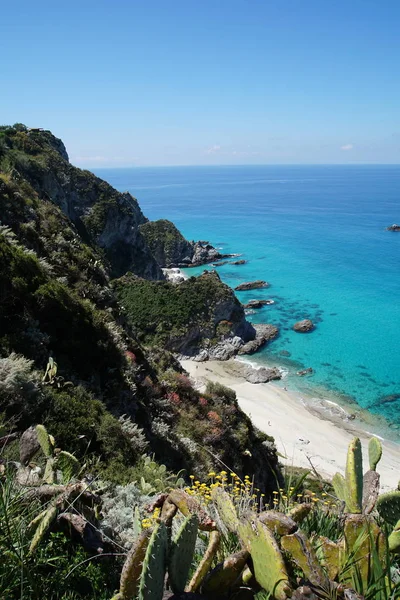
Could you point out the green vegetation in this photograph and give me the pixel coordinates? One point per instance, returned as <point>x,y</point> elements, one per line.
<point>166,314</point>
<point>166,242</point>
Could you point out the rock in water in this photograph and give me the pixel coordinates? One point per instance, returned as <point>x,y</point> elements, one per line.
<point>303,326</point>
<point>263,334</point>
<point>258,303</point>
<point>252,285</point>
<point>393,227</point>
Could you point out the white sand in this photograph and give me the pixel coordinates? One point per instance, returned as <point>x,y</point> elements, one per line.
<point>300,435</point>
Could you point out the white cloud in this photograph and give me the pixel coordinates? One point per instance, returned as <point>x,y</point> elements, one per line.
<point>347,147</point>
<point>214,149</point>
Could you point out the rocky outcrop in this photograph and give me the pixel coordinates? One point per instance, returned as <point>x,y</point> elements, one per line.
<point>258,303</point>
<point>171,249</point>
<point>102,215</point>
<point>303,326</point>
<point>251,285</point>
<point>263,333</point>
<point>393,227</point>
<point>262,375</point>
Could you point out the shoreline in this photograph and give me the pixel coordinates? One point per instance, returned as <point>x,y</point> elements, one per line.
<point>303,431</point>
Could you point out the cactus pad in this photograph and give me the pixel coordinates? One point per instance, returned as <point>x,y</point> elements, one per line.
<point>339,485</point>
<point>388,506</point>
<point>269,567</point>
<point>394,539</point>
<point>277,522</point>
<point>361,534</point>
<point>41,528</point>
<point>354,477</point>
<point>68,465</point>
<point>303,554</point>
<point>330,555</point>
<point>44,440</point>
<point>206,562</point>
<point>224,576</point>
<point>300,512</point>
<point>132,568</point>
<point>154,565</point>
<point>182,550</point>
<point>225,508</point>
<point>374,452</point>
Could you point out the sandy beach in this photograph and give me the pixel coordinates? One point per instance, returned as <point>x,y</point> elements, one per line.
<point>301,433</point>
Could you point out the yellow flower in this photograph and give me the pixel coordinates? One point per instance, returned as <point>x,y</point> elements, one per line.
<point>191,476</point>
<point>212,474</point>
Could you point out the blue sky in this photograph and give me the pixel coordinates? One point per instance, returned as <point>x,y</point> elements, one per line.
<point>129,82</point>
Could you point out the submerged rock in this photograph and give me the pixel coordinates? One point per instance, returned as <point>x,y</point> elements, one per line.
<point>252,285</point>
<point>305,372</point>
<point>238,262</point>
<point>303,326</point>
<point>258,303</point>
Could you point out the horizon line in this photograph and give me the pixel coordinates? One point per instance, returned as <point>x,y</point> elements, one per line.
<point>355,164</point>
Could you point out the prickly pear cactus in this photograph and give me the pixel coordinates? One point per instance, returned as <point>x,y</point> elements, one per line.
<point>278,522</point>
<point>181,553</point>
<point>339,485</point>
<point>354,477</point>
<point>225,508</point>
<point>68,464</point>
<point>49,471</point>
<point>130,575</point>
<point>388,506</point>
<point>299,548</point>
<point>394,539</point>
<point>154,565</point>
<point>374,452</point>
<point>218,583</point>
<point>300,512</point>
<point>269,566</point>
<point>44,440</point>
<point>42,527</point>
<point>361,534</point>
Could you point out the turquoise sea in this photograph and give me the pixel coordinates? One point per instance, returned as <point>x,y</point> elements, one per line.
<point>317,235</point>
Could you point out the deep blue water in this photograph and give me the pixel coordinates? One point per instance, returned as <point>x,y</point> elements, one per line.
<point>317,235</point>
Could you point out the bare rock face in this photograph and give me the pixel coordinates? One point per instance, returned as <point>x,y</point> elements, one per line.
<point>262,375</point>
<point>263,333</point>
<point>251,285</point>
<point>303,326</point>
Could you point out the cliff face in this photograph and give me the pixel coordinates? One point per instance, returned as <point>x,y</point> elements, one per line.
<point>102,215</point>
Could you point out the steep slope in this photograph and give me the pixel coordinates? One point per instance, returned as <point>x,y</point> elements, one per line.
<point>102,215</point>
<point>57,299</point>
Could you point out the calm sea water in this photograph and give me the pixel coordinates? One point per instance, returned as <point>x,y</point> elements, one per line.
<point>317,235</point>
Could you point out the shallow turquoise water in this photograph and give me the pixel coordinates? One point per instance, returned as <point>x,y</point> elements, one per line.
<point>317,234</point>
